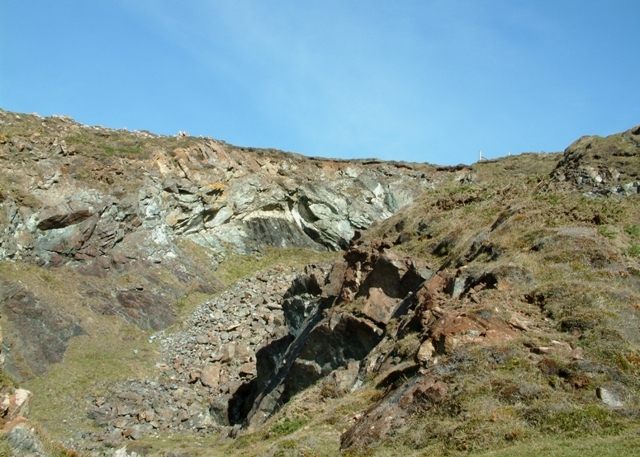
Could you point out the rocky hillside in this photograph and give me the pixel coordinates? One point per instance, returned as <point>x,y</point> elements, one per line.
<point>130,213</point>
<point>155,298</point>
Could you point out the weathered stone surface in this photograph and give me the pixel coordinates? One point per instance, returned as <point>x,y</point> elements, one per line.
<point>601,167</point>
<point>390,413</point>
<point>343,379</point>
<point>38,332</point>
<point>20,401</point>
<point>210,375</point>
<point>60,217</point>
<point>609,397</point>
<point>23,439</point>
<point>426,352</point>
<point>379,306</point>
<point>139,216</point>
<point>204,191</point>
<point>454,329</point>
<point>147,310</point>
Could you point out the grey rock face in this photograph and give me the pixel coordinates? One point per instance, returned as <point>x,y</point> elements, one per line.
<point>216,195</point>
<point>24,441</point>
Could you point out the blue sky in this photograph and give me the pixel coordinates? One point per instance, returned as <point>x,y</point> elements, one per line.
<point>430,80</point>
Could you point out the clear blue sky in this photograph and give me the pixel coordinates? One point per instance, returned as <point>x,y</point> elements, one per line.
<point>427,80</point>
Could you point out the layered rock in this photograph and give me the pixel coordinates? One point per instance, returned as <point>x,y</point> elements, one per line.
<point>70,204</point>
<point>139,213</point>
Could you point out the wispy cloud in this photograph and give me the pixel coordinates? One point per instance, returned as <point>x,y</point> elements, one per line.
<point>429,79</point>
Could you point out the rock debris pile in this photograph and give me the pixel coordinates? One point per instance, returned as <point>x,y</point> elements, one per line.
<point>203,365</point>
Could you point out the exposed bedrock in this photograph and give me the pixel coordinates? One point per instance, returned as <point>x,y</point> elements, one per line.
<point>335,319</point>
<point>70,207</point>
<point>146,229</point>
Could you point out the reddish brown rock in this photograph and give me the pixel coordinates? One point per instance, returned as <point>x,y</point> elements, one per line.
<point>453,329</point>
<point>379,307</point>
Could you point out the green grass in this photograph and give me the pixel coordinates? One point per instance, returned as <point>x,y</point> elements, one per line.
<point>286,426</point>
<point>623,445</point>
<point>116,351</point>
<point>7,383</point>
<point>632,230</point>
<point>104,354</point>
<point>633,251</point>
<point>607,232</point>
<point>237,267</point>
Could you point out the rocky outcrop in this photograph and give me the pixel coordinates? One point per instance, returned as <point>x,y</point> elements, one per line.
<point>37,306</point>
<point>249,350</point>
<point>602,166</point>
<point>147,218</point>
<point>391,412</point>
<point>204,366</point>
<point>252,348</point>
<point>335,320</point>
<point>17,431</point>
<point>65,204</point>
<point>129,224</point>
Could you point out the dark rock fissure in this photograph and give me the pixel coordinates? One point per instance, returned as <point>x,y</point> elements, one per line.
<point>271,382</point>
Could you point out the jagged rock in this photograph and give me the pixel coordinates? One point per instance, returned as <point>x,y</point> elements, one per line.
<point>23,439</point>
<point>454,329</point>
<point>208,192</point>
<point>379,306</point>
<point>111,218</point>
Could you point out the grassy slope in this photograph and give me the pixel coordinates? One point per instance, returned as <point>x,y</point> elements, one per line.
<point>92,361</point>
<point>581,255</point>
